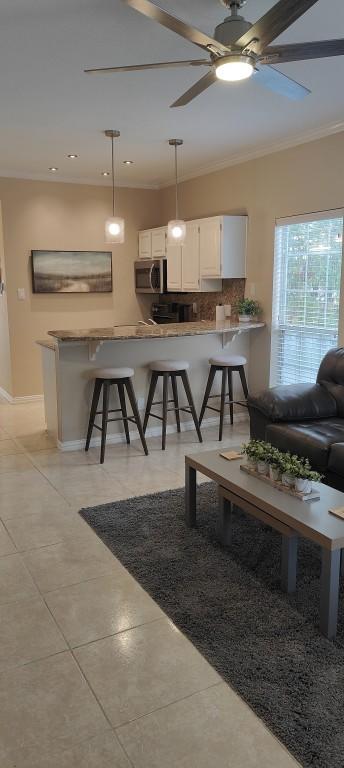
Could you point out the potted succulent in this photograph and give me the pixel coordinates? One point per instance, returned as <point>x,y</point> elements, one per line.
<point>275,460</point>
<point>247,309</point>
<point>289,469</point>
<point>256,451</point>
<point>304,476</point>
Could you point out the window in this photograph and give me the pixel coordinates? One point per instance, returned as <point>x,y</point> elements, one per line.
<point>306,295</point>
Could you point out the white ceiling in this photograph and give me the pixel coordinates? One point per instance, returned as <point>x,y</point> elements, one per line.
<point>50,108</point>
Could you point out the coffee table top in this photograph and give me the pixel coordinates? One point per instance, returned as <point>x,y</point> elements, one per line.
<point>309,518</point>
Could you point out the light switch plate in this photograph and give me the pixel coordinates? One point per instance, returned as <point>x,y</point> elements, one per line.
<point>21,294</point>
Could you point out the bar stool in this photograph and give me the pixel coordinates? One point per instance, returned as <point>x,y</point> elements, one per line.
<point>106,378</point>
<point>228,364</point>
<point>170,369</point>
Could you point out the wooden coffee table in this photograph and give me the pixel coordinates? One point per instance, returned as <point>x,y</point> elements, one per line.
<point>290,516</point>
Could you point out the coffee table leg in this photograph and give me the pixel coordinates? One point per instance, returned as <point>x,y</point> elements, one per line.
<point>329,589</point>
<point>190,496</point>
<point>224,525</point>
<point>289,563</point>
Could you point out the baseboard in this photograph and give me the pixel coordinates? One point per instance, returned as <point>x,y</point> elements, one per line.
<point>24,399</point>
<point>118,437</point>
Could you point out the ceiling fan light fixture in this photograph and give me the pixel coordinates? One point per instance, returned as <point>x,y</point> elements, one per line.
<point>234,68</point>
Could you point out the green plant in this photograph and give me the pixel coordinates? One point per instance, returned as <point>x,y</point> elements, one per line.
<point>256,450</point>
<point>248,307</point>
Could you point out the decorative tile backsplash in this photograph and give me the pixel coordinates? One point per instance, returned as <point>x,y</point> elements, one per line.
<point>232,291</point>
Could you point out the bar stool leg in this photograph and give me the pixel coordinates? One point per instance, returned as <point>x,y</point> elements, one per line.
<point>121,394</point>
<point>185,380</point>
<point>164,408</point>
<point>106,393</point>
<point>243,380</point>
<point>175,398</point>
<point>207,391</point>
<point>94,406</point>
<point>151,393</point>
<point>230,392</point>
<point>223,402</point>
<point>132,399</point>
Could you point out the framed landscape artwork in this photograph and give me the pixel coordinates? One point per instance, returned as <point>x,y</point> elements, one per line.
<point>71,271</point>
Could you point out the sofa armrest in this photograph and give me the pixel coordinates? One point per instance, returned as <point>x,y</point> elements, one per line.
<point>294,402</point>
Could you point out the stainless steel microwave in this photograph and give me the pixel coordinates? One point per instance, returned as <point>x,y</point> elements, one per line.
<point>151,276</point>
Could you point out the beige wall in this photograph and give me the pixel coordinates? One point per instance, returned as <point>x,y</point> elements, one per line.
<point>53,216</point>
<point>306,178</point>
<point>5,354</point>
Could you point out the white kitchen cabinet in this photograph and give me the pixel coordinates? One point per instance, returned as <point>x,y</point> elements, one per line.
<point>159,243</point>
<point>223,242</point>
<point>190,258</point>
<point>152,243</point>
<point>145,244</point>
<point>174,268</point>
<point>183,265</point>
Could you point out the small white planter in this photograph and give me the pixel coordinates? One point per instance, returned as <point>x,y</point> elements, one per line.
<point>245,318</point>
<point>288,480</point>
<point>302,485</point>
<point>262,467</point>
<point>274,474</point>
<point>252,464</point>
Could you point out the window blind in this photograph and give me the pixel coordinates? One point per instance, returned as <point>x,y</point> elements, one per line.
<point>306,296</point>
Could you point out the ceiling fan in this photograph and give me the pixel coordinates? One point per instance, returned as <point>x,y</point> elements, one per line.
<point>239,49</point>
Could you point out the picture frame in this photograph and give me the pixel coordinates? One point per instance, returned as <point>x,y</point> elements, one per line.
<point>71,271</point>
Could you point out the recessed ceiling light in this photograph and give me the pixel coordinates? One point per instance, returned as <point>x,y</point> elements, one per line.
<point>72,157</point>
<point>53,169</point>
<point>128,162</point>
<point>105,173</point>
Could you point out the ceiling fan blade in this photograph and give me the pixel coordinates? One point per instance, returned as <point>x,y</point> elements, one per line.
<point>157,65</point>
<point>278,54</point>
<point>276,81</point>
<point>196,89</point>
<point>191,34</point>
<point>273,23</point>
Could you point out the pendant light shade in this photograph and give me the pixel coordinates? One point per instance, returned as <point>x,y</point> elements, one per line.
<point>114,225</point>
<point>176,229</point>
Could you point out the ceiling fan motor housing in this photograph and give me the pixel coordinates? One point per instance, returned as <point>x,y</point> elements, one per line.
<point>231,29</point>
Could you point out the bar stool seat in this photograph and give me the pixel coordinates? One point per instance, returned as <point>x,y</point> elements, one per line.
<point>169,365</point>
<point>228,361</point>
<point>227,365</point>
<point>105,378</point>
<point>113,373</point>
<point>170,369</point>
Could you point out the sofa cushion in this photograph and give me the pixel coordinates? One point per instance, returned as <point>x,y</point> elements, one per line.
<point>294,402</point>
<point>309,438</point>
<point>336,459</point>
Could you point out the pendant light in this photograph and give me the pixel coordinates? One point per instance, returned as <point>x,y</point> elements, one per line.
<point>176,229</point>
<point>114,225</point>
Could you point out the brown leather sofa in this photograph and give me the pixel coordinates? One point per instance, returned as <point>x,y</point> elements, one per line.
<point>307,419</point>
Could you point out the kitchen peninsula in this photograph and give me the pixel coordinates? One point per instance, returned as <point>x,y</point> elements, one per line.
<point>71,355</point>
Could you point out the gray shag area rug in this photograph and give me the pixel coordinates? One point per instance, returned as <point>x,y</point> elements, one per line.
<point>228,603</point>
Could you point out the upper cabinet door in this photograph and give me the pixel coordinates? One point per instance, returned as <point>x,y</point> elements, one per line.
<point>174,267</point>
<point>210,233</point>
<point>191,258</point>
<point>145,244</point>
<point>158,243</point>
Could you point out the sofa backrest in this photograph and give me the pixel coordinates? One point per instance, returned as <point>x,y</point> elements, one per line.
<point>331,376</point>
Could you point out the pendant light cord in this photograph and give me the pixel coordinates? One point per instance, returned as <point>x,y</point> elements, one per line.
<point>176,172</point>
<point>113,176</point>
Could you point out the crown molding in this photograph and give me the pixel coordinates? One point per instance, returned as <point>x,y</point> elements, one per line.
<point>7,174</point>
<point>267,149</point>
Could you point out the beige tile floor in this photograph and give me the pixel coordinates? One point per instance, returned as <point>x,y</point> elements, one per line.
<point>92,673</point>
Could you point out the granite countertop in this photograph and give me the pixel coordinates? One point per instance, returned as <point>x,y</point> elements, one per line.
<point>139,332</point>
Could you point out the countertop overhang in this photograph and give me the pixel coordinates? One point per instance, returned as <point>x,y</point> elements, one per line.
<point>142,332</point>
